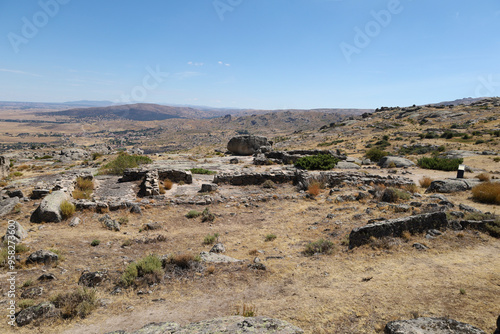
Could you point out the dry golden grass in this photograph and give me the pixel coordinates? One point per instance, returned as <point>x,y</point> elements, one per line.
<point>314,188</point>
<point>483,177</point>
<point>425,182</point>
<point>168,184</point>
<point>488,192</point>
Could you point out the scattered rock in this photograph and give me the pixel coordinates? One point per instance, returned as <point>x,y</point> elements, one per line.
<point>92,279</point>
<point>49,209</point>
<point>451,185</point>
<point>208,187</point>
<point>15,193</point>
<point>257,266</point>
<point>109,223</point>
<point>32,293</point>
<point>7,205</point>
<point>218,248</point>
<point>42,256</point>
<point>42,310</point>
<point>17,232</point>
<point>47,277</point>
<point>468,208</point>
<point>217,258</point>
<point>75,222</point>
<point>390,161</point>
<point>347,165</point>
<point>135,208</point>
<point>4,168</point>
<point>430,326</point>
<point>234,161</point>
<point>420,246</point>
<point>39,193</point>
<point>152,226</point>
<point>246,145</point>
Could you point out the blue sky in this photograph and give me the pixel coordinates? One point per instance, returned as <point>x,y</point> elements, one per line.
<point>266,54</point>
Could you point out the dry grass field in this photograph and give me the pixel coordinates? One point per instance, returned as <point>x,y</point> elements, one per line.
<point>347,291</point>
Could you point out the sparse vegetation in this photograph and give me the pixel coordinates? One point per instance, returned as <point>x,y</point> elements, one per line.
<point>314,188</point>
<point>25,303</point>
<point>79,303</point>
<point>210,239</point>
<point>95,242</point>
<point>268,184</point>
<point>246,310</point>
<point>317,162</point>
<point>84,188</point>
<point>321,246</point>
<point>270,237</point>
<point>440,163</point>
<point>484,177</point>
<point>207,216</point>
<point>375,154</point>
<point>167,184</point>
<point>67,209</point>
<point>425,182</point>
<point>124,161</point>
<point>149,267</point>
<point>392,195</point>
<point>193,214</point>
<point>487,192</point>
<point>202,171</point>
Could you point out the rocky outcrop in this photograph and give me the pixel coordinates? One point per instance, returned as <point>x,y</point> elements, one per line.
<point>49,210</point>
<point>399,162</point>
<point>431,326</point>
<point>208,187</point>
<point>395,227</point>
<point>7,205</point>
<point>16,232</point>
<point>92,279</point>
<point>234,325</point>
<point>451,185</point>
<point>347,165</point>
<point>42,256</point>
<point>42,310</point>
<point>247,145</point>
<point>213,257</point>
<point>4,167</point>
<point>71,154</point>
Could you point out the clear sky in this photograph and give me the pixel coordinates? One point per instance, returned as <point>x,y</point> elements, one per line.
<point>265,54</point>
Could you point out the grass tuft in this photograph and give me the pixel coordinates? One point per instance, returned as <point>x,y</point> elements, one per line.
<point>124,161</point>
<point>425,182</point>
<point>79,303</point>
<point>67,209</point>
<point>321,246</point>
<point>488,192</point>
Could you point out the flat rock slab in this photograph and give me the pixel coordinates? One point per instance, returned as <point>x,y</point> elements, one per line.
<point>233,325</point>
<point>108,189</point>
<point>451,185</point>
<point>217,258</point>
<point>430,326</point>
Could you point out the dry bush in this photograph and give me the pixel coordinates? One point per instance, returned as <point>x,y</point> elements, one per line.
<point>484,177</point>
<point>22,167</point>
<point>314,188</point>
<point>84,183</point>
<point>321,246</point>
<point>246,310</point>
<point>425,182</point>
<point>487,192</point>
<point>406,235</point>
<point>211,270</point>
<point>182,260</point>
<point>411,188</point>
<point>168,184</point>
<point>162,189</point>
<point>77,303</point>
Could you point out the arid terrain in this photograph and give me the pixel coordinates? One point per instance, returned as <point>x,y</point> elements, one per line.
<point>343,290</point>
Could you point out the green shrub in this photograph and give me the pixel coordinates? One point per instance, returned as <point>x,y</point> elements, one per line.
<point>95,242</point>
<point>149,265</point>
<point>210,239</point>
<point>67,209</point>
<point>124,161</point>
<point>317,162</point>
<point>321,246</point>
<point>207,216</point>
<point>202,171</point>
<point>270,237</point>
<point>375,154</point>
<point>76,303</point>
<point>193,214</point>
<point>25,303</point>
<point>96,155</point>
<point>391,195</point>
<point>440,163</point>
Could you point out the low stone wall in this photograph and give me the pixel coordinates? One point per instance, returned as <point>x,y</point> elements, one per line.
<point>137,174</point>
<point>290,157</point>
<point>334,179</point>
<point>253,178</point>
<point>395,227</point>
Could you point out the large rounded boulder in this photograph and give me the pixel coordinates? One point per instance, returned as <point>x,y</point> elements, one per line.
<point>49,209</point>
<point>389,161</point>
<point>431,326</point>
<point>247,145</point>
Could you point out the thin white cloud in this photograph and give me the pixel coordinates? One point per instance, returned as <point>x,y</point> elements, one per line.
<point>222,63</point>
<point>19,72</point>
<point>186,74</point>
<point>195,63</point>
